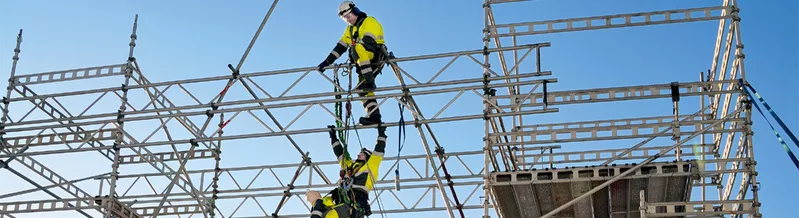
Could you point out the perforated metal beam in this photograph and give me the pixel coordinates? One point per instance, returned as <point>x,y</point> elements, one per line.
<point>85,136</point>
<point>118,209</point>
<point>609,21</point>
<point>602,155</point>
<point>48,205</point>
<point>68,75</point>
<point>595,130</point>
<point>624,93</point>
<point>698,208</point>
<point>166,156</point>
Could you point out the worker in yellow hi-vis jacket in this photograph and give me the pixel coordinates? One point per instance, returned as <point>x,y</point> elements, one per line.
<point>351,197</point>
<point>363,37</point>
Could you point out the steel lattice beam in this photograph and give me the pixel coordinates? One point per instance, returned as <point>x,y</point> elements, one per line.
<point>420,171</point>
<point>55,113</point>
<point>147,115</point>
<point>278,72</point>
<point>280,102</point>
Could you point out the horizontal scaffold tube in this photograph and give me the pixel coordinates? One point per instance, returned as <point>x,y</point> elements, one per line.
<point>271,106</point>
<point>282,133</point>
<point>277,72</point>
<point>328,95</point>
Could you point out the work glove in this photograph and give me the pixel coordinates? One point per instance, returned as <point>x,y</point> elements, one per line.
<point>332,131</point>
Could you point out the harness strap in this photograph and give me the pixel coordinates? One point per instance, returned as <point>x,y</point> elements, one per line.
<point>376,49</point>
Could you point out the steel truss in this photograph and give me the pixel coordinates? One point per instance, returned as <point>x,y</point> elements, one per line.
<point>168,124</point>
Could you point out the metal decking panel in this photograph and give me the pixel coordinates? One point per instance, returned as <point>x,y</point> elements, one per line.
<point>562,193</point>
<point>527,201</point>
<point>655,191</point>
<point>619,194</point>
<point>676,190</point>
<point>545,201</point>
<point>506,201</point>
<point>582,209</point>
<point>678,187</point>
<point>601,200</point>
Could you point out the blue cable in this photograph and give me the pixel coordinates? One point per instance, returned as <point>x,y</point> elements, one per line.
<point>790,134</point>
<point>400,142</point>
<point>774,114</point>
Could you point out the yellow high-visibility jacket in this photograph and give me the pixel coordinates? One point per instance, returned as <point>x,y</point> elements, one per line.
<point>366,36</point>
<point>364,176</point>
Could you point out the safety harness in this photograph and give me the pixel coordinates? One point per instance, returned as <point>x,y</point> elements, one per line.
<point>374,48</point>
<point>344,194</point>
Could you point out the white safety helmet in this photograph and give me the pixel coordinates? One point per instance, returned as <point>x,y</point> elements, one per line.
<point>347,7</point>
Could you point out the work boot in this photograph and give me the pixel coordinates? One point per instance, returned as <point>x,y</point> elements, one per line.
<point>366,87</point>
<point>375,118</point>
<point>372,113</point>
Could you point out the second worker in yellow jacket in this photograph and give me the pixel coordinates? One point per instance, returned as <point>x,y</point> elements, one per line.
<point>363,38</point>
<point>351,198</point>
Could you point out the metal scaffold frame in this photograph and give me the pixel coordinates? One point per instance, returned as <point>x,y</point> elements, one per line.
<point>516,149</point>
<point>714,121</point>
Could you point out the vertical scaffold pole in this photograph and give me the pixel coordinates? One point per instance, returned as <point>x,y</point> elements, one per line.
<point>120,116</point>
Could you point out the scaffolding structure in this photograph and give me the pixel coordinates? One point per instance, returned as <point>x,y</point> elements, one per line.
<point>150,131</point>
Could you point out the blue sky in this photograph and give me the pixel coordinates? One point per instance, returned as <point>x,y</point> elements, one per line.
<point>183,39</point>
